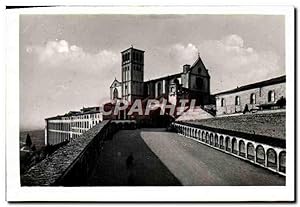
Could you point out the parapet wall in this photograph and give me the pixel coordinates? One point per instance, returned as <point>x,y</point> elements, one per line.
<point>71,164</point>
<point>267,152</point>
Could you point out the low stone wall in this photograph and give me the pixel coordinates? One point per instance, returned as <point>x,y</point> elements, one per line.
<point>267,152</point>
<point>71,164</point>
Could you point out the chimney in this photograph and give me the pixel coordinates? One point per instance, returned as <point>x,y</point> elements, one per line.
<point>186,67</point>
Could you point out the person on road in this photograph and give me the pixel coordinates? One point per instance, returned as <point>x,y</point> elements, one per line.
<point>129,161</point>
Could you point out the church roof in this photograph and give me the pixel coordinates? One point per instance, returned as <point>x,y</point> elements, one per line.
<point>280,79</point>
<point>132,48</point>
<point>198,60</point>
<point>118,83</point>
<point>165,77</point>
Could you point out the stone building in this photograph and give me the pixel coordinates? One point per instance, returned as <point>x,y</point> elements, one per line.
<point>264,95</point>
<point>192,83</point>
<point>71,125</point>
<point>115,90</point>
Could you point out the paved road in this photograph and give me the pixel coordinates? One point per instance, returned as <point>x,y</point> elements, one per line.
<point>165,158</point>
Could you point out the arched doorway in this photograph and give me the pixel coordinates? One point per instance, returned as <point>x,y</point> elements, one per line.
<point>227,144</point>
<point>211,139</point>
<point>271,158</point>
<point>242,151</point>
<point>199,134</point>
<point>221,142</point>
<point>260,155</point>
<point>216,140</point>
<point>282,159</point>
<point>250,151</point>
<point>115,94</point>
<point>234,146</point>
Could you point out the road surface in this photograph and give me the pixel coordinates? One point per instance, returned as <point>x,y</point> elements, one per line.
<point>162,158</point>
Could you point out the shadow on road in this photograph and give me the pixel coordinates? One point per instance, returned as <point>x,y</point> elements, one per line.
<point>126,160</point>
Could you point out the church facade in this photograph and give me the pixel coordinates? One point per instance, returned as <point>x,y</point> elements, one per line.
<point>192,83</point>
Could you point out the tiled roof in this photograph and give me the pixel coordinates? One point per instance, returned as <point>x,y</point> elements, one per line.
<point>272,81</point>
<point>165,77</point>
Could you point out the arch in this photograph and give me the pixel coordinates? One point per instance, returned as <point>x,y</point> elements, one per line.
<point>158,89</point>
<point>126,125</point>
<point>206,137</point>
<point>115,94</point>
<point>250,151</point>
<point>216,140</point>
<point>282,160</point>
<point>252,98</point>
<point>202,137</point>
<point>271,96</point>
<point>234,146</point>
<point>237,100</point>
<point>222,102</point>
<point>198,134</point>
<point>260,155</point>
<point>227,144</point>
<point>211,139</point>
<point>271,158</point>
<point>221,142</point>
<point>242,151</point>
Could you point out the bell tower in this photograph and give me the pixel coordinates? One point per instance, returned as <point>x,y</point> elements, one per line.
<point>132,74</point>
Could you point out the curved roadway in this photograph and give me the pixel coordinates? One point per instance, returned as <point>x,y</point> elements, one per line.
<point>165,158</point>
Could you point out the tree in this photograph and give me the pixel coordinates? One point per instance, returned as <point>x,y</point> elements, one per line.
<point>33,148</point>
<point>246,109</point>
<point>281,102</point>
<point>28,140</point>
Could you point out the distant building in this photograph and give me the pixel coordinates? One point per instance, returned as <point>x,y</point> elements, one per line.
<point>268,94</point>
<point>192,83</point>
<point>71,125</point>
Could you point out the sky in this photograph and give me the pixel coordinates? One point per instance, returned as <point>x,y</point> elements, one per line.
<point>69,61</point>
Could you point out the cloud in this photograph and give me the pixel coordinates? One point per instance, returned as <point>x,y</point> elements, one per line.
<point>183,53</point>
<point>60,52</point>
<point>60,77</point>
<point>230,62</point>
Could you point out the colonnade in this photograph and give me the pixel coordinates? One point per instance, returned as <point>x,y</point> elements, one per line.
<point>270,157</point>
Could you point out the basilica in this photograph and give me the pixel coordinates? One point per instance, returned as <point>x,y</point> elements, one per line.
<point>192,83</point>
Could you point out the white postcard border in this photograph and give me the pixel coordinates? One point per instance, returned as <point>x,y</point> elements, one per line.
<point>185,193</point>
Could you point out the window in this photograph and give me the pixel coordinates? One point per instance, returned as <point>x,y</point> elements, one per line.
<point>115,94</point>
<point>222,102</point>
<point>199,82</point>
<point>271,96</point>
<point>146,89</point>
<point>237,101</point>
<point>252,98</point>
<point>158,89</point>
